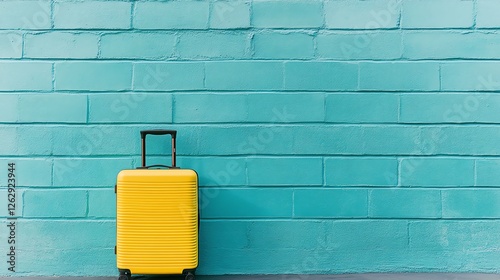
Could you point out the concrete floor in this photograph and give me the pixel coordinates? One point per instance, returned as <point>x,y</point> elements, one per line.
<point>377,276</point>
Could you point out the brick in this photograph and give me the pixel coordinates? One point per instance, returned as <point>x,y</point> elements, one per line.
<point>215,45</point>
<point>278,14</point>
<point>435,45</point>
<point>461,140</point>
<point>361,171</point>
<point>321,76</point>
<point>25,14</point>
<point>137,45</point>
<point>8,141</point>
<point>40,203</point>
<point>486,16</point>
<point>436,259</point>
<point>362,108</point>
<point>270,234</point>
<point>248,140</point>
<point>266,139</point>
<point>284,171</point>
<point>11,44</point>
<point>29,172</point>
<point>458,236</point>
<point>92,15</point>
<point>429,172</point>
<point>283,45</point>
<point>230,15</point>
<point>359,45</point>
<point>84,172</point>
<point>246,203</point>
<point>61,45</point>
<point>93,76</point>
<point>236,75</point>
<point>377,14</point>
<point>476,203</point>
<point>171,15</point>
<point>17,203</point>
<point>486,172</point>
<point>354,140</point>
<point>130,108</point>
<point>470,76</point>
<point>206,108</point>
<point>364,235</point>
<point>330,203</point>
<point>46,108</point>
<point>387,140</point>
<point>49,232</point>
<point>450,108</point>
<point>26,135</point>
<point>296,261</point>
<point>394,76</point>
<point>437,14</point>
<point>223,234</point>
<point>102,203</point>
<point>168,76</point>
<point>66,262</point>
<point>217,171</point>
<point>258,260</point>
<point>404,203</point>
<point>25,76</point>
<point>286,108</point>
<point>9,108</point>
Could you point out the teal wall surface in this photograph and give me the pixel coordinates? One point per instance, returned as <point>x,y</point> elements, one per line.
<point>330,136</point>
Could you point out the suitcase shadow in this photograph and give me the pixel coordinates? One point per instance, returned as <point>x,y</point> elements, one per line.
<point>158,277</point>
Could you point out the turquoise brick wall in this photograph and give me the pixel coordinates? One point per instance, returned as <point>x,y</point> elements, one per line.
<point>331,136</point>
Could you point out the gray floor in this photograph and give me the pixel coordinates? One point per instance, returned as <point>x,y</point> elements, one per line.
<point>378,276</point>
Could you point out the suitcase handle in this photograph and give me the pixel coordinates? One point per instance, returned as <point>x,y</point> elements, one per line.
<point>144,133</point>
<point>158,166</point>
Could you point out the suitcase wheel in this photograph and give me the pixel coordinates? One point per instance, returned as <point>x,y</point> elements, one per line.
<point>125,276</point>
<point>190,276</point>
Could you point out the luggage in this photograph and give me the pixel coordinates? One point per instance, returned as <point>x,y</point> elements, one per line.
<point>157,218</point>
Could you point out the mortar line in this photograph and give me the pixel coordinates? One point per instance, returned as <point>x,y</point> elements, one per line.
<point>52,172</point>
<point>399,107</point>
<point>132,14</point>
<point>173,97</point>
<point>441,202</point>
<point>52,14</point>
<point>53,69</point>
<point>23,39</point>
<point>88,203</point>
<point>88,109</point>
<point>474,15</point>
<point>398,172</point>
<point>475,172</point>
<point>440,67</point>
<point>324,171</point>
<point>408,233</point>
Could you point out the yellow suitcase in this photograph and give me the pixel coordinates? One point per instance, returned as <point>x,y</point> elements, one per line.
<point>157,218</point>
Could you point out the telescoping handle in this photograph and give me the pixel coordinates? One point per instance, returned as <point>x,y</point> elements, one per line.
<point>144,133</point>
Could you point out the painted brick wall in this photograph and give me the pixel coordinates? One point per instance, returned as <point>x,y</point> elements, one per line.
<point>330,136</point>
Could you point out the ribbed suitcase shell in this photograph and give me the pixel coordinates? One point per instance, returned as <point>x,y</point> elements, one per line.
<point>157,221</point>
